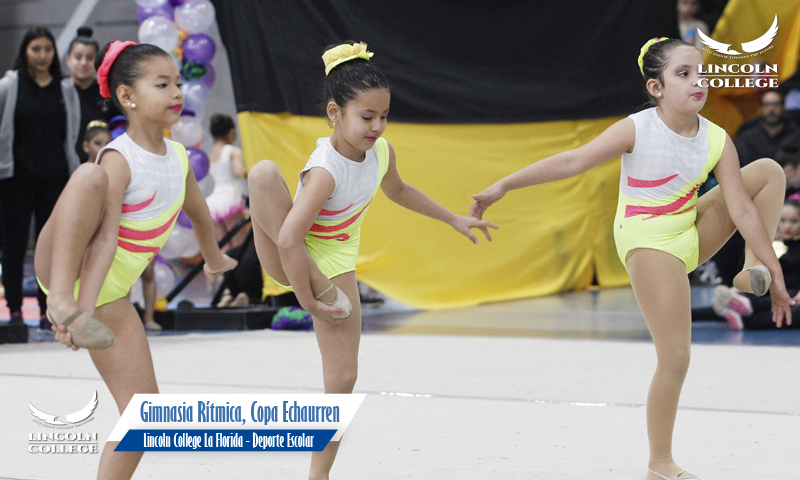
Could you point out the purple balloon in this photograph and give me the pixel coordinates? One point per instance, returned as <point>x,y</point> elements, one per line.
<point>184,220</point>
<point>209,78</point>
<point>199,161</point>
<point>166,10</point>
<point>198,47</point>
<point>176,3</point>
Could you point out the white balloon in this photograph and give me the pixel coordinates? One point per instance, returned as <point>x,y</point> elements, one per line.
<point>206,185</point>
<point>192,247</point>
<point>177,243</point>
<point>150,3</point>
<point>195,94</point>
<point>165,280</point>
<point>159,31</point>
<point>195,16</point>
<point>188,131</point>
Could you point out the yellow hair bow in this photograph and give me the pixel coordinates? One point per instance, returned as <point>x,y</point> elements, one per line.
<point>96,124</point>
<point>343,53</point>
<point>645,48</point>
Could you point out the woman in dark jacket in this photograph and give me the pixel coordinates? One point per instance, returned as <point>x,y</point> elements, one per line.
<point>39,122</point>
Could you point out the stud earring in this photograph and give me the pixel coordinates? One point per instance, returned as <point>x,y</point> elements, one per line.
<point>133,105</point>
<point>659,94</point>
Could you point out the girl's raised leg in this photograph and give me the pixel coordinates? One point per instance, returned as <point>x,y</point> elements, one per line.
<point>765,183</point>
<point>338,342</point>
<point>665,302</point>
<point>270,202</point>
<point>127,368</point>
<point>66,237</point>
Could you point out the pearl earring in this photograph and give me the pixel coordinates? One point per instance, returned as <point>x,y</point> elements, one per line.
<point>133,105</point>
<point>659,94</point>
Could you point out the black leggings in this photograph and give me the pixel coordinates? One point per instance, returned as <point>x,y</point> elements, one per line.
<point>19,199</point>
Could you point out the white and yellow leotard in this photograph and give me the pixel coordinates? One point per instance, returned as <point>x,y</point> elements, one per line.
<point>153,199</point>
<point>658,187</point>
<point>335,236</point>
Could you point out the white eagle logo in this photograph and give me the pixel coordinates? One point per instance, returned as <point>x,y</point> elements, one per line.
<point>76,417</point>
<point>756,45</point>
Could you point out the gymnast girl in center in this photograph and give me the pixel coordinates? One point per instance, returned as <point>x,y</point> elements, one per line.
<point>311,244</point>
<point>662,230</point>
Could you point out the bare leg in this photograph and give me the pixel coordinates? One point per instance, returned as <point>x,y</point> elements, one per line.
<point>270,202</point>
<point>127,368</point>
<point>765,183</point>
<point>67,236</point>
<point>665,303</point>
<point>338,342</point>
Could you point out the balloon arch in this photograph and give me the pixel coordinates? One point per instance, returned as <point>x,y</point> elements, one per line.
<point>181,28</point>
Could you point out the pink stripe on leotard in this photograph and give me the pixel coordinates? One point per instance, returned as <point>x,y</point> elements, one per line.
<point>138,206</point>
<point>633,210</point>
<point>636,183</point>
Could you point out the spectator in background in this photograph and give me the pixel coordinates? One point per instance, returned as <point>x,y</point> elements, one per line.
<point>688,23</point>
<point>39,128</point>
<point>80,60</point>
<point>762,139</point>
<point>788,157</point>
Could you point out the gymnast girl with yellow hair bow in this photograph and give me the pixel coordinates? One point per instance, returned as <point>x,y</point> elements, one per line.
<point>311,244</point>
<point>662,229</point>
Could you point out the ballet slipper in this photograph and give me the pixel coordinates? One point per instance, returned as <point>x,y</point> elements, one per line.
<point>94,334</point>
<point>759,280</point>
<point>677,477</point>
<point>341,301</point>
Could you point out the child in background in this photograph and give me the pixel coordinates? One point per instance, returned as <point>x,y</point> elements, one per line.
<point>746,311</point>
<point>227,168</point>
<point>95,139</point>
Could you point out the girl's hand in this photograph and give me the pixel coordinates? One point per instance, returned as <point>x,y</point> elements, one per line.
<point>323,311</point>
<point>484,200</point>
<point>63,336</point>
<point>464,225</point>
<point>781,304</point>
<point>220,265</point>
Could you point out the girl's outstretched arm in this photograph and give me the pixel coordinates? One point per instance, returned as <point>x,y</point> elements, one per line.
<point>748,221</point>
<point>100,254</point>
<point>413,199</point>
<point>613,142</point>
<point>195,206</point>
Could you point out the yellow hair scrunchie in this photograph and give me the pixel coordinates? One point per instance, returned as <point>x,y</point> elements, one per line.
<point>645,48</point>
<point>344,53</point>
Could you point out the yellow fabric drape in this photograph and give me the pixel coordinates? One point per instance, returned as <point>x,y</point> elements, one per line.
<point>743,21</point>
<point>552,237</point>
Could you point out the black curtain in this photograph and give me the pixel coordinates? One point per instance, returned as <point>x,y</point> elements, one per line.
<point>450,61</point>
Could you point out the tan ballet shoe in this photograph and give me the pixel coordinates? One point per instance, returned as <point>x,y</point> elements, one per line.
<point>341,301</point>
<point>759,280</point>
<point>94,334</point>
